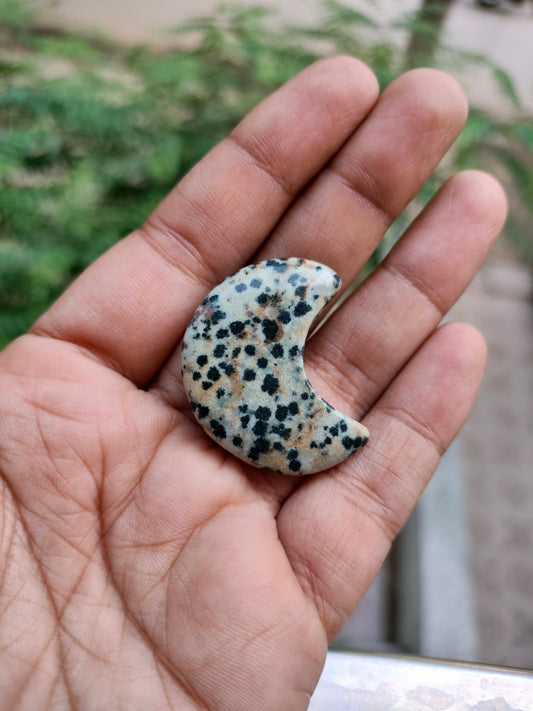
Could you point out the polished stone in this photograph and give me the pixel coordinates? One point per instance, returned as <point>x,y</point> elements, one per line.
<point>243,371</point>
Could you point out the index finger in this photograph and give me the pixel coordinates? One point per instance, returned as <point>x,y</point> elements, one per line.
<point>132,305</point>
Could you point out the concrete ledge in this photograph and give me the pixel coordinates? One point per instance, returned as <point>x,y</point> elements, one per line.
<point>435,612</point>
<point>366,682</point>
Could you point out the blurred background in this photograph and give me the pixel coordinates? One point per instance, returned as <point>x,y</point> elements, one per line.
<point>105,104</point>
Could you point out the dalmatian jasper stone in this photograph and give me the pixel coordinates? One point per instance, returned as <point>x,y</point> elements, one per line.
<point>243,372</point>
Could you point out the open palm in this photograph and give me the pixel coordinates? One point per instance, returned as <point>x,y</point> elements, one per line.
<point>140,565</point>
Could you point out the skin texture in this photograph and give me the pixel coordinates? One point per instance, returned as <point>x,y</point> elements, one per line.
<point>141,566</point>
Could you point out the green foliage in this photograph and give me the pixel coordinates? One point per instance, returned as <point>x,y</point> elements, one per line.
<point>93,135</point>
<point>15,14</point>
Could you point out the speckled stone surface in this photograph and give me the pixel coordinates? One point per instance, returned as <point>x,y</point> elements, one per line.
<point>242,366</point>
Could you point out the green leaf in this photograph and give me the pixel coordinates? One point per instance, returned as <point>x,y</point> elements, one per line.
<point>524,132</point>
<point>172,70</point>
<point>68,47</point>
<point>164,162</point>
<point>506,85</point>
<point>340,13</point>
<point>479,127</point>
<point>15,14</point>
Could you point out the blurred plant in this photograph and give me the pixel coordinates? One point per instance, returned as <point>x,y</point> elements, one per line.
<point>93,134</point>
<point>426,30</point>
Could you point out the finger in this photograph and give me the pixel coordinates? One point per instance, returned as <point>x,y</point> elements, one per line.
<point>357,353</point>
<point>340,219</point>
<point>131,306</point>
<point>337,528</point>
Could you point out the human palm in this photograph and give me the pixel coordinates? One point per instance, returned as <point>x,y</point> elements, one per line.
<point>140,565</point>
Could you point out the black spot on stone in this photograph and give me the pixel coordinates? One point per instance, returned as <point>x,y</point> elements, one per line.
<point>220,393</point>
<point>305,396</point>
<point>278,266</point>
<point>235,352</point>
<point>283,432</point>
<point>300,290</point>
<point>313,445</point>
<point>260,428</point>
<point>217,429</point>
<point>202,411</point>
<point>213,373</point>
<point>222,333</point>
<point>249,374</point>
<point>270,384</point>
<point>270,329</point>
<point>219,350</point>
<point>293,408</point>
<point>255,283</point>
<point>244,421</point>
<point>206,384</point>
<point>343,426</point>
<point>294,351</point>
<point>336,280</point>
<point>263,413</point>
<point>352,442</point>
<point>196,375</point>
<point>237,441</point>
<point>243,408</point>
<point>227,368</point>
<point>281,413</point>
<point>262,445</point>
<point>301,308</point>
<point>334,431</point>
<point>240,287</point>
<point>292,454</point>
<point>277,446</point>
<point>295,465</point>
<point>250,350</point>
<point>236,327</point>
<point>262,363</point>
<point>262,299</point>
<point>202,360</point>
<point>277,350</point>
<point>217,316</point>
<point>293,279</point>
<point>284,316</point>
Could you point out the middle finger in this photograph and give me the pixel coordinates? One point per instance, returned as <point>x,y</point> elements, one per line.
<point>341,217</point>
<point>368,340</point>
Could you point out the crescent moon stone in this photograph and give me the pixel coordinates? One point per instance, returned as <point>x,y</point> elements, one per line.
<point>243,371</point>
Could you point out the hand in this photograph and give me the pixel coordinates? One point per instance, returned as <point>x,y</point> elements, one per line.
<point>141,567</point>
